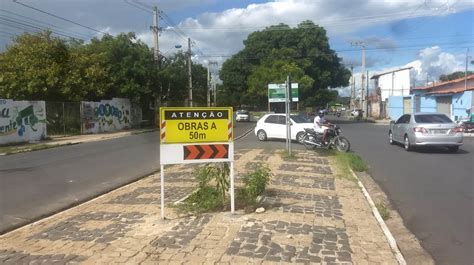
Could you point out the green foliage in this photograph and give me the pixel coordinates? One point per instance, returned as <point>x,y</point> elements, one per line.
<point>213,183</point>
<point>255,183</point>
<point>43,67</point>
<point>455,75</point>
<point>217,175</point>
<point>270,55</point>
<point>352,160</point>
<point>383,210</point>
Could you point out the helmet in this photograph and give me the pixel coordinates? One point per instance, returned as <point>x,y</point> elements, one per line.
<point>321,113</point>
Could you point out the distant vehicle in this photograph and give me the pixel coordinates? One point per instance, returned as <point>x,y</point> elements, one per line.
<point>242,115</point>
<point>356,112</point>
<point>426,129</point>
<point>273,126</point>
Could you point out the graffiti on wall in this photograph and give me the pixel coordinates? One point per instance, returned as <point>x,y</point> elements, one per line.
<point>22,121</point>
<point>106,115</point>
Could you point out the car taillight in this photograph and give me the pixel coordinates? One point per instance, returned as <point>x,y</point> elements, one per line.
<point>420,129</point>
<point>457,130</point>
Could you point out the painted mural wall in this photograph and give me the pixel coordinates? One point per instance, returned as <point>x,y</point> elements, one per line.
<point>22,121</point>
<point>106,115</point>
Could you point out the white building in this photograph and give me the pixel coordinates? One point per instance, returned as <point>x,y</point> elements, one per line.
<point>393,83</point>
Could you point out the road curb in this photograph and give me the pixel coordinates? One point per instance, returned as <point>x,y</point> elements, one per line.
<point>391,240</point>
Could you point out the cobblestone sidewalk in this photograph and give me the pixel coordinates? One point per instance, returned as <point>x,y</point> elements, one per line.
<point>310,217</point>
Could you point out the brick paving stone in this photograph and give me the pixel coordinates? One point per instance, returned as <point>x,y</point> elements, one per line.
<point>324,183</point>
<point>305,168</point>
<point>172,194</point>
<point>72,228</point>
<point>183,233</point>
<point>323,242</point>
<point>20,257</point>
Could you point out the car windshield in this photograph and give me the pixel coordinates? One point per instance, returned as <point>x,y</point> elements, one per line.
<point>242,112</point>
<point>299,119</point>
<point>432,118</point>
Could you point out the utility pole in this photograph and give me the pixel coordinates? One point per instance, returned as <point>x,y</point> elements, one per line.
<point>366,110</point>
<point>364,102</point>
<point>208,86</point>
<point>465,73</point>
<point>190,78</point>
<point>352,104</point>
<point>155,29</point>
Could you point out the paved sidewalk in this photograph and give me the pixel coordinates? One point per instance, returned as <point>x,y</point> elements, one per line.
<point>310,217</point>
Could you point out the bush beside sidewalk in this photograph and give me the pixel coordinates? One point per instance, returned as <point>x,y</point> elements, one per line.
<point>312,215</point>
<point>58,141</point>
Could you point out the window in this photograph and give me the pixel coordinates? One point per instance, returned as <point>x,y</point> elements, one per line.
<point>403,119</point>
<point>299,119</point>
<point>271,119</point>
<point>281,119</point>
<point>432,118</point>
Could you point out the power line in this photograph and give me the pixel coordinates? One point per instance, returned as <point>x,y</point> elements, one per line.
<point>44,23</point>
<point>10,21</point>
<point>138,7</point>
<point>28,24</point>
<point>58,17</point>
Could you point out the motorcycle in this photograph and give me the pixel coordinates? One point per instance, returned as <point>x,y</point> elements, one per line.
<point>313,140</point>
<point>338,114</point>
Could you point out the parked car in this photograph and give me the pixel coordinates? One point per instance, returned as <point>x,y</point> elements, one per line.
<point>426,129</point>
<point>242,115</point>
<point>273,126</point>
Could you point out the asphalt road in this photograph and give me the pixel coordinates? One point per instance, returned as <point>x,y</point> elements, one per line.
<point>37,184</point>
<point>433,190</point>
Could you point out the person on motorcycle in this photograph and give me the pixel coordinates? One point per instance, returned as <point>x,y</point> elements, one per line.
<point>321,125</point>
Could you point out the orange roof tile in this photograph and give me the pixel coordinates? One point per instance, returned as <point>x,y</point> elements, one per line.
<point>438,85</point>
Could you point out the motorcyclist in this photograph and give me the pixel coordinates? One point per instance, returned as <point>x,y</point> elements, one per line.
<point>321,125</point>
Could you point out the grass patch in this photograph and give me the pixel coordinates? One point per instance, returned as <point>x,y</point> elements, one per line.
<point>26,148</point>
<point>383,210</point>
<point>286,156</point>
<point>348,161</point>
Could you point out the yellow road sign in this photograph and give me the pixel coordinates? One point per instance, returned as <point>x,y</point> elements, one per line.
<point>196,125</point>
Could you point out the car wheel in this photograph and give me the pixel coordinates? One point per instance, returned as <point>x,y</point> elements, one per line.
<point>407,144</point>
<point>390,138</point>
<point>453,149</point>
<point>262,135</point>
<point>300,137</point>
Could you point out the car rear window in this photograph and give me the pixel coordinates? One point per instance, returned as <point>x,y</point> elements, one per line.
<point>242,112</point>
<point>432,118</point>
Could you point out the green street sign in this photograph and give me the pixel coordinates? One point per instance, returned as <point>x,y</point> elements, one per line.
<point>276,92</point>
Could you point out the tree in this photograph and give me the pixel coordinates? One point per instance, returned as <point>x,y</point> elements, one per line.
<point>174,81</point>
<point>33,67</point>
<point>302,51</point>
<point>455,75</point>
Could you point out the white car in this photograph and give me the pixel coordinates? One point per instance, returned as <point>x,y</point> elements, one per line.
<point>273,126</point>
<point>242,115</point>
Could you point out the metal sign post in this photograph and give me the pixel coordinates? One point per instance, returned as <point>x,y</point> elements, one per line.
<point>288,102</point>
<point>196,135</point>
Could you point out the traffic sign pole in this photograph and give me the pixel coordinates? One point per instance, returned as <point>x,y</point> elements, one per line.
<point>232,197</point>
<point>162,184</point>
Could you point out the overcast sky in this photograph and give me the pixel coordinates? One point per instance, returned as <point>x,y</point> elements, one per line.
<point>430,35</point>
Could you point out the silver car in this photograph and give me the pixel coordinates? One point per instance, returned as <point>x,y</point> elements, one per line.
<point>426,129</point>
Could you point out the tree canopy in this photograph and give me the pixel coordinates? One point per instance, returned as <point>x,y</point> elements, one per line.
<point>455,75</point>
<point>43,67</point>
<point>273,53</point>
